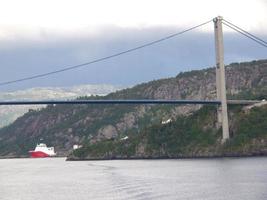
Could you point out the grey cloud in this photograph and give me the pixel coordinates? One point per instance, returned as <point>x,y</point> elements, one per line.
<point>193,50</point>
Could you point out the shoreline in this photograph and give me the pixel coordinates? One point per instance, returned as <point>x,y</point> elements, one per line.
<point>23,157</point>
<point>168,158</point>
<point>229,155</point>
<point>145,158</point>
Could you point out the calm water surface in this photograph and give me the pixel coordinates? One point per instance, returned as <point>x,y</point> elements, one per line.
<point>209,179</point>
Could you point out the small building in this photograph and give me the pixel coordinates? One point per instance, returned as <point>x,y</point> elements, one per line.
<point>167,121</point>
<point>76,146</point>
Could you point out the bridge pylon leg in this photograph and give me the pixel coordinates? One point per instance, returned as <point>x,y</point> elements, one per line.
<point>222,113</point>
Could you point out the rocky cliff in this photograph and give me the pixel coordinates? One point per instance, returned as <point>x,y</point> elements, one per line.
<point>65,125</point>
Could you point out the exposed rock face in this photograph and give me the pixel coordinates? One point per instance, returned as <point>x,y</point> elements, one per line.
<point>62,126</point>
<point>107,132</point>
<point>202,84</point>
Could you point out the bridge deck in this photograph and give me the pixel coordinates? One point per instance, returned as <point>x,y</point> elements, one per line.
<point>144,101</point>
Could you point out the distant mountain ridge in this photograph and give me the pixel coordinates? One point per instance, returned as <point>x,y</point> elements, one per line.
<point>8,114</point>
<point>45,93</point>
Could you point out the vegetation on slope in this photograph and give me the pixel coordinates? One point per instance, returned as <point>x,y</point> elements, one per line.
<point>64,125</point>
<point>192,136</point>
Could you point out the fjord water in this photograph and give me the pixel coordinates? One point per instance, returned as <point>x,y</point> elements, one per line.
<point>209,179</point>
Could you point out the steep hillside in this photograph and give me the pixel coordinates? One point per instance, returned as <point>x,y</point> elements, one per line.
<point>192,136</point>
<point>65,125</point>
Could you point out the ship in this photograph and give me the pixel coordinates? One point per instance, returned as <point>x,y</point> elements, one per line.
<point>42,151</point>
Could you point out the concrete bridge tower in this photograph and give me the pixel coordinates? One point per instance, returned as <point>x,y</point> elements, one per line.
<point>222,113</point>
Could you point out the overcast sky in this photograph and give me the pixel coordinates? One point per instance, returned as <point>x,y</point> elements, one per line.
<point>38,36</point>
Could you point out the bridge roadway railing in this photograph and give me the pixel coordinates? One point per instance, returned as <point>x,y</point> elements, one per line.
<point>124,101</point>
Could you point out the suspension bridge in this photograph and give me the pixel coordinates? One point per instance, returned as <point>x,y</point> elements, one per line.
<point>221,101</point>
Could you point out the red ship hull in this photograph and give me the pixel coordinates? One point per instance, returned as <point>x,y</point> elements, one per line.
<point>38,154</point>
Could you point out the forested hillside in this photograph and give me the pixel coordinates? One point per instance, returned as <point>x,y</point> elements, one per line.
<point>63,125</point>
